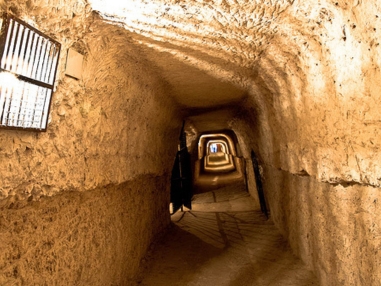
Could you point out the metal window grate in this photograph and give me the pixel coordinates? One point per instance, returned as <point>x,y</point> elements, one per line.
<point>28,67</point>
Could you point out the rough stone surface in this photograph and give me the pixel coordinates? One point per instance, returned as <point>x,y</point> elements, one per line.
<point>101,127</point>
<point>224,241</point>
<point>298,82</point>
<point>96,237</point>
<point>335,229</point>
<point>290,59</point>
<point>313,114</point>
<point>81,203</point>
<point>322,91</point>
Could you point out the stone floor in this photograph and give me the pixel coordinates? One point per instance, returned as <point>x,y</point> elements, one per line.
<point>224,241</point>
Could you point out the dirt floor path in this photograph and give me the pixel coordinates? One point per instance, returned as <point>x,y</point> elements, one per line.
<point>224,241</point>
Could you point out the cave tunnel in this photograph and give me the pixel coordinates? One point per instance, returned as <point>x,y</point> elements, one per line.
<point>277,96</point>
<point>217,162</point>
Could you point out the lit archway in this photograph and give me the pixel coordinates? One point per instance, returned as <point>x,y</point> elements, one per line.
<point>217,162</point>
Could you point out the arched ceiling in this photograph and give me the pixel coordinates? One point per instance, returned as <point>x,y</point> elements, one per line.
<point>297,67</point>
<point>299,80</point>
<point>205,50</point>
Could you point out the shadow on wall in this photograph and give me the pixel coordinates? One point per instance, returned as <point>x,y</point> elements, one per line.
<point>327,226</point>
<point>217,163</point>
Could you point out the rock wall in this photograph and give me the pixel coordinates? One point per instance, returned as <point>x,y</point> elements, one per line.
<point>96,237</point>
<point>335,229</point>
<point>312,116</point>
<point>100,126</point>
<point>311,74</point>
<point>81,203</point>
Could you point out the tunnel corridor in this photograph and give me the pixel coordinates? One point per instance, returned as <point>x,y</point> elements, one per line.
<point>278,104</point>
<point>223,240</point>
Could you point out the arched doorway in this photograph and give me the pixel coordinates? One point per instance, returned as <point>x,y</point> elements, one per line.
<point>217,163</point>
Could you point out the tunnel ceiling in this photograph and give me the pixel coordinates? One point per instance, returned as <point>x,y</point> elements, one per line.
<point>204,49</point>
<point>276,56</point>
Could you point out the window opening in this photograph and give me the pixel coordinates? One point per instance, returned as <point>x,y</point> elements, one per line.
<point>213,148</point>
<point>28,67</point>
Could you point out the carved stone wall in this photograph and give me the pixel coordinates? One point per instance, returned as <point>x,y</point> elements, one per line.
<point>304,77</point>
<point>312,116</point>
<point>81,203</point>
<point>96,237</point>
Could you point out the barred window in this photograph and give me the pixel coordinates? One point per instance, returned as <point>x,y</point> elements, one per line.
<point>28,67</point>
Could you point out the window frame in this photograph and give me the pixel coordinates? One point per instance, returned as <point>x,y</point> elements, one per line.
<point>46,66</point>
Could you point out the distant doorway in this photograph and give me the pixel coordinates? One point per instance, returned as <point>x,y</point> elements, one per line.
<point>217,163</point>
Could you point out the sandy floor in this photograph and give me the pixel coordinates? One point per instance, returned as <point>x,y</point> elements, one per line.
<point>224,241</point>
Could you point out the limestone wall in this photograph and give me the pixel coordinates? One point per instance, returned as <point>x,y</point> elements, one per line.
<point>323,89</point>
<point>81,203</point>
<point>100,126</point>
<point>313,118</point>
<point>310,70</point>
<point>335,229</point>
<point>96,237</point>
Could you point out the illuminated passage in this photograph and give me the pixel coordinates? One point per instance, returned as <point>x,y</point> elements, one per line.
<point>217,162</point>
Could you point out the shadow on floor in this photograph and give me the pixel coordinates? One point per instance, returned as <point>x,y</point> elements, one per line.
<point>220,245</point>
<point>177,259</point>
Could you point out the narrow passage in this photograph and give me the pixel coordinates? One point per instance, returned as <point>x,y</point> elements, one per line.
<point>224,241</point>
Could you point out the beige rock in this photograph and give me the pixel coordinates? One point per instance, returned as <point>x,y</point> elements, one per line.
<point>297,81</point>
